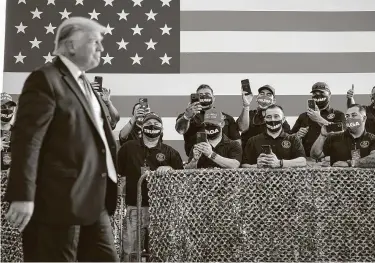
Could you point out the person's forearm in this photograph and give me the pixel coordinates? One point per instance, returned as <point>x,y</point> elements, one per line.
<point>366,162</point>
<point>246,165</point>
<point>192,165</point>
<point>113,112</point>
<point>244,119</point>
<point>317,148</point>
<point>297,162</point>
<point>226,162</point>
<point>182,125</point>
<point>350,102</point>
<point>124,133</point>
<point>323,121</point>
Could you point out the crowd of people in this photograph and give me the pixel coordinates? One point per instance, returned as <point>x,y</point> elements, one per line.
<point>64,161</point>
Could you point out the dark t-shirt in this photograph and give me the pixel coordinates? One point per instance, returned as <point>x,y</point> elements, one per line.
<point>257,126</point>
<point>339,146</point>
<point>133,155</point>
<point>6,151</point>
<point>370,122</point>
<point>226,148</point>
<point>304,121</point>
<point>135,134</point>
<point>196,125</point>
<point>286,147</point>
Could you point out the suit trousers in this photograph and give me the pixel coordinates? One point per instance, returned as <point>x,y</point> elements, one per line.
<point>69,243</point>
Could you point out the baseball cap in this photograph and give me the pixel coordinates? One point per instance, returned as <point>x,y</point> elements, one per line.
<point>152,115</point>
<point>213,116</point>
<point>6,98</point>
<point>321,86</point>
<point>267,87</point>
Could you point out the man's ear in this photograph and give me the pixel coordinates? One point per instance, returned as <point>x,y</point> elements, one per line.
<point>70,47</point>
<point>222,124</point>
<point>364,118</point>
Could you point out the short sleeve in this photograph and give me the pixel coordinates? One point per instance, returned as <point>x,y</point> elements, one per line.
<point>297,125</point>
<point>233,131</point>
<point>298,150</point>
<point>235,151</point>
<point>176,161</point>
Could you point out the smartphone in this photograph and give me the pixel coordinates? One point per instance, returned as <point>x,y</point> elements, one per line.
<point>201,137</point>
<point>266,149</point>
<point>99,80</point>
<point>144,103</point>
<point>245,83</point>
<point>335,127</point>
<point>194,97</point>
<point>311,104</point>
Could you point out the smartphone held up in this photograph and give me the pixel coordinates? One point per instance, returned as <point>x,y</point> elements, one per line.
<point>245,84</point>
<point>99,80</point>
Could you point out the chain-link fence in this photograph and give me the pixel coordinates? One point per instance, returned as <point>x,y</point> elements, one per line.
<point>263,215</point>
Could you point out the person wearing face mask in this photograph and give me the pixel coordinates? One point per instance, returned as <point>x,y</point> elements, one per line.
<point>191,121</point>
<point>251,122</point>
<point>286,149</point>
<point>355,147</point>
<point>7,112</point>
<point>309,123</point>
<point>134,158</point>
<point>133,129</point>
<point>219,151</point>
<point>370,109</point>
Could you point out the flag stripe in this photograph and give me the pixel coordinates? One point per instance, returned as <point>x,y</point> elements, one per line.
<point>172,106</point>
<point>277,42</point>
<point>277,5</point>
<point>223,84</point>
<point>276,21</point>
<point>277,62</point>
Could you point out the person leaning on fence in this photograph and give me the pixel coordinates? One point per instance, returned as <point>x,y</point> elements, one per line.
<point>218,151</point>
<point>370,109</point>
<point>286,149</point>
<point>134,158</point>
<point>133,129</point>
<point>309,123</point>
<point>191,121</point>
<point>251,122</point>
<point>355,147</point>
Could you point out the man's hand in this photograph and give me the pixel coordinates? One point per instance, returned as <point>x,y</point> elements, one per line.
<point>340,164</point>
<point>205,148</point>
<point>106,95</point>
<point>302,132</point>
<point>163,169</point>
<point>193,109</point>
<point>261,160</point>
<point>272,160</point>
<point>246,99</point>
<point>196,154</point>
<point>350,93</point>
<point>314,115</point>
<point>19,214</point>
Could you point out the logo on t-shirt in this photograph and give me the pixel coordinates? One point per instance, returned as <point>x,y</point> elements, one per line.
<point>160,157</point>
<point>286,144</point>
<point>331,116</point>
<point>365,144</point>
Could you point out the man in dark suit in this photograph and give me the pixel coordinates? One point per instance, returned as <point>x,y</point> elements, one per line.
<point>62,182</point>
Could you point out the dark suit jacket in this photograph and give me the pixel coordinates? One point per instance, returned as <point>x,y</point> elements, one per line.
<point>58,156</point>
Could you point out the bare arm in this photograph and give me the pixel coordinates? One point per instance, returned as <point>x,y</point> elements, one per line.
<point>366,162</point>
<point>226,162</point>
<point>182,125</point>
<point>297,162</point>
<point>317,148</point>
<point>113,113</point>
<point>125,131</point>
<point>244,119</point>
<point>193,164</point>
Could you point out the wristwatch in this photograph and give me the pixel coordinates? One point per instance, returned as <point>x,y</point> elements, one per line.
<point>212,156</point>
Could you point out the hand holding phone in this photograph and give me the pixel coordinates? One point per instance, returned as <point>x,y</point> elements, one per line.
<point>266,149</point>
<point>201,137</point>
<point>335,127</point>
<point>245,84</point>
<point>194,97</point>
<point>99,80</point>
<point>311,104</point>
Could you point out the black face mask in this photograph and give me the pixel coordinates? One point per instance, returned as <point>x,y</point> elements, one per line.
<point>6,115</point>
<point>152,131</point>
<point>321,101</point>
<point>205,101</point>
<point>274,126</point>
<point>212,131</point>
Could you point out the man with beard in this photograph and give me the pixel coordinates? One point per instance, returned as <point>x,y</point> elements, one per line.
<point>191,121</point>
<point>355,147</point>
<point>218,151</point>
<point>134,158</point>
<point>285,150</point>
<point>308,124</point>
<point>370,109</point>
<point>251,122</point>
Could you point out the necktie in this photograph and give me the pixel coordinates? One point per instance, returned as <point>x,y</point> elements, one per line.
<point>86,86</point>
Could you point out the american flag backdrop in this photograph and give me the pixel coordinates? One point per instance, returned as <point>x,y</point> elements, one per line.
<point>164,49</point>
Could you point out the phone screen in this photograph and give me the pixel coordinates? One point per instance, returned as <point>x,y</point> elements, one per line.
<point>201,137</point>
<point>143,102</point>
<point>335,127</point>
<point>194,97</point>
<point>99,80</point>
<point>245,83</point>
<point>266,149</point>
<point>311,104</point>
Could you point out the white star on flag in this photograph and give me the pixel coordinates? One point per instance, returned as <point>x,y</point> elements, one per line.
<point>36,13</point>
<point>166,2</point>
<point>165,29</point>
<point>108,30</point>
<point>123,15</point>
<point>94,15</point>
<point>21,28</point>
<point>35,43</point>
<point>51,2</point>
<point>65,14</point>
<point>151,44</point>
<point>79,2</point>
<point>22,1</point>
<point>122,44</point>
<point>107,59</point>
<point>19,58</point>
<point>137,2</point>
<point>137,30</point>
<point>50,28</point>
<point>151,15</point>
<point>48,58</point>
<point>165,59</point>
<point>136,59</point>
<point>108,2</point>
